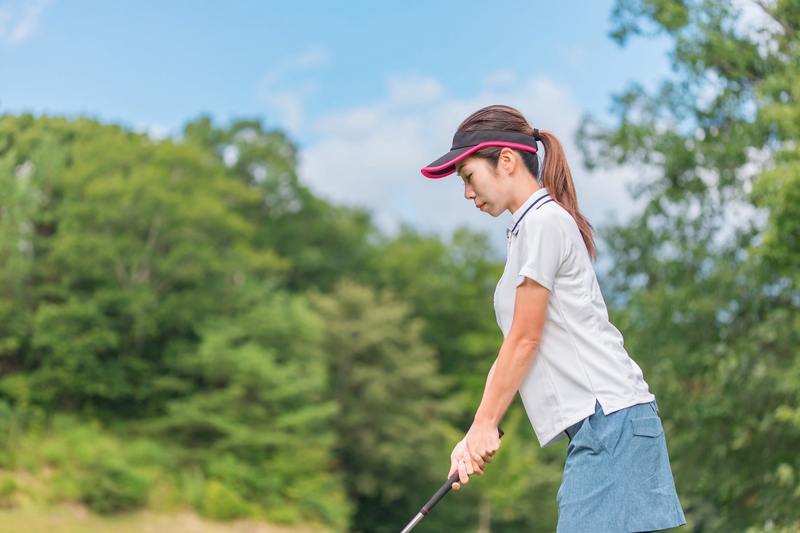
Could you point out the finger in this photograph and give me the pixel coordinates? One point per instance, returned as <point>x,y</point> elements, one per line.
<point>462,473</point>
<point>478,459</point>
<point>454,460</point>
<point>468,464</point>
<point>479,463</point>
<point>456,485</point>
<point>488,459</point>
<point>496,449</point>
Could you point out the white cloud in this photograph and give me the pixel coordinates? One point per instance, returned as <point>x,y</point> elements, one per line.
<point>414,90</point>
<point>156,132</point>
<point>754,17</point>
<point>290,101</point>
<point>315,56</point>
<point>19,20</point>
<point>499,78</point>
<point>370,155</point>
<point>574,55</point>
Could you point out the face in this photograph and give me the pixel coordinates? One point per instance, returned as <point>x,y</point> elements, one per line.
<point>483,186</point>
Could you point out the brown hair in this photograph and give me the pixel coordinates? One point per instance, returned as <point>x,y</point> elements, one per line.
<point>555,175</point>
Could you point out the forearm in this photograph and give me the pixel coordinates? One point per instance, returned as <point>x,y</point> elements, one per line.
<point>489,377</point>
<point>506,375</point>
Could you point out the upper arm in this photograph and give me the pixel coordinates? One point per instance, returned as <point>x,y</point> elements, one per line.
<point>530,309</point>
<point>544,247</point>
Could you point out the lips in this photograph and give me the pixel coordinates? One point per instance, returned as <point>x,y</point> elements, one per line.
<point>480,206</point>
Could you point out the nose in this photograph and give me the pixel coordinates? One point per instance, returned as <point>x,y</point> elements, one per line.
<point>469,194</point>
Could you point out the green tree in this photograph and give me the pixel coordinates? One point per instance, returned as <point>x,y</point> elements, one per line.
<point>135,289</point>
<point>709,299</point>
<point>520,487</point>
<point>450,286</point>
<point>129,245</point>
<point>392,417</point>
<point>323,242</point>
<point>257,421</point>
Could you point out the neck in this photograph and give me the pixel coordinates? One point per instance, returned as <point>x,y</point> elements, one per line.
<point>524,189</point>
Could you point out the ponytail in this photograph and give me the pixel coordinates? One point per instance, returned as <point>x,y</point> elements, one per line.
<point>555,175</point>
<point>557,179</point>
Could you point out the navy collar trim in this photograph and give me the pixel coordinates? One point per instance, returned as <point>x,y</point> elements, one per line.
<point>536,200</point>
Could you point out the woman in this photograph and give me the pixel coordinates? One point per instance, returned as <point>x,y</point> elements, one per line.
<point>559,350</point>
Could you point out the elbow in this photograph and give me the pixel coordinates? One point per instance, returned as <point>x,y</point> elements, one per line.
<point>528,345</point>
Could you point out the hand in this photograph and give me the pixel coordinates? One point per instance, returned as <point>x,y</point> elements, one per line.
<point>483,439</point>
<point>466,463</point>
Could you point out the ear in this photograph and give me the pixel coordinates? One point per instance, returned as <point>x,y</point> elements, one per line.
<point>508,160</point>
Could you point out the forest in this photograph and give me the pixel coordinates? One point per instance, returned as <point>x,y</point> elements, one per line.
<point>185,325</point>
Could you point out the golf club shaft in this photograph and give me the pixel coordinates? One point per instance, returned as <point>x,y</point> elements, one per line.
<point>411,525</point>
<point>435,499</point>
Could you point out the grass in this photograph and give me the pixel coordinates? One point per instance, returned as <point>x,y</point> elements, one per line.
<point>73,518</point>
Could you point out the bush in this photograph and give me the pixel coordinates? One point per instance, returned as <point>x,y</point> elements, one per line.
<point>7,486</point>
<point>108,488</point>
<point>221,503</point>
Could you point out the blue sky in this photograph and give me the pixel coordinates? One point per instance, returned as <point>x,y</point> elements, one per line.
<point>371,91</point>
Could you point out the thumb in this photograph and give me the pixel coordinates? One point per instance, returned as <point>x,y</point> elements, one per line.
<point>453,467</point>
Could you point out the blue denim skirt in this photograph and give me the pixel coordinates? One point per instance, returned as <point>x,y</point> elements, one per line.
<point>617,477</point>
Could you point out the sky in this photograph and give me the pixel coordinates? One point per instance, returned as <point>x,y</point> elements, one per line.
<point>370,91</point>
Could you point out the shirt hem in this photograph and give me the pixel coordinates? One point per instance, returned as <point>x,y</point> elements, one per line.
<point>559,433</point>
<point>618,406</point>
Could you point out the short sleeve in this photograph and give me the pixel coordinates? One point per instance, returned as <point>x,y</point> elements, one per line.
<point>543,248</point>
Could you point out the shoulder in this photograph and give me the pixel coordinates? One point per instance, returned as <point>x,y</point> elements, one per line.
<point>551,229</point>
<point>549,218</point>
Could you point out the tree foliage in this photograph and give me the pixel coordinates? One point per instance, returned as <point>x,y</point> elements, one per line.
<point>707,273</point>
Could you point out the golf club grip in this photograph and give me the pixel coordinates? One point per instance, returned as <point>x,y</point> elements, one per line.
<point>445,488</point>
<point>440,493</point>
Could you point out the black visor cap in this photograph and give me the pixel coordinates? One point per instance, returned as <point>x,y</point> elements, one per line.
<point>466,143</point>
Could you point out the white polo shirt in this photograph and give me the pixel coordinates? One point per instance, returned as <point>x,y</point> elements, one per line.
<point>581,358</point>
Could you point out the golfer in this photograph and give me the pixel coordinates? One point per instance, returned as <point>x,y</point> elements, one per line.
<point>559,351</point>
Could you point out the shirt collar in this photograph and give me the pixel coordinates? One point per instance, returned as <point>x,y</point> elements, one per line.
<point>533,200</point>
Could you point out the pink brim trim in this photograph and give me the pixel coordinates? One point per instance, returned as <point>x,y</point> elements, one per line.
<point>429,172</point>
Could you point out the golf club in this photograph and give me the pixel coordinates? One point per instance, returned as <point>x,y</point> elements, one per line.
<point>436,497</point>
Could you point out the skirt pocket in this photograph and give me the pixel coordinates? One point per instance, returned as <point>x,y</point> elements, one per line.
<point>647,427</point>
